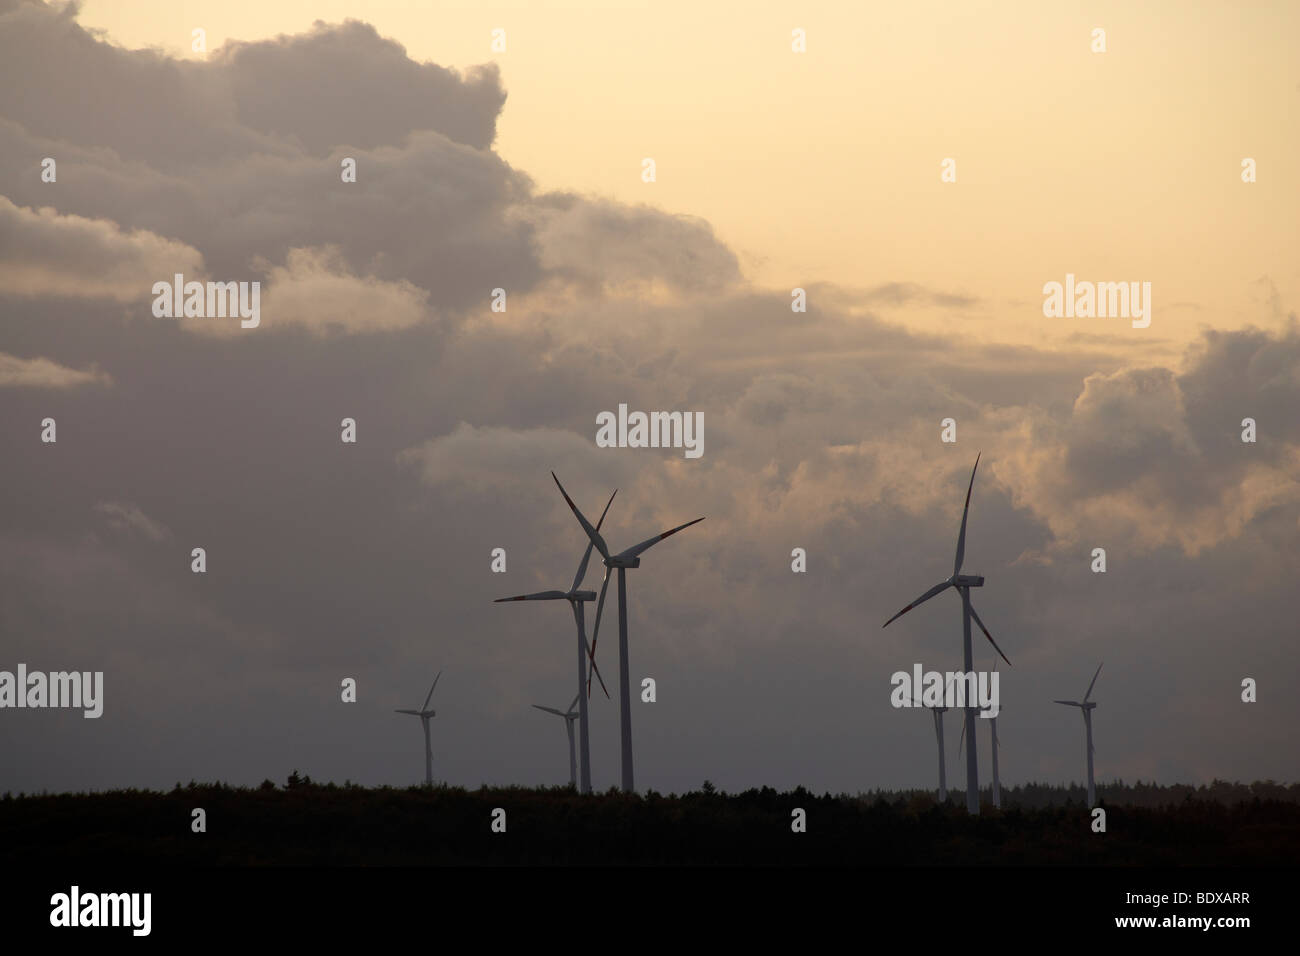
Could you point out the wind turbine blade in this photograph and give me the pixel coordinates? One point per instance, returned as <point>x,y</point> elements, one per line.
<point>987,634</point>
<point>592,533</point>
<point>601,521</point>
<point>595,634</point>
<point>574,702</point>
<point>921,600</point>
<point>1094,682</point>
<point>415,712</point>
<point>550,710</point>
<point>961,537</point>
<point>427,699</point>
<point>586,555</point>
<point>962,740</point>
<point>538,596</point>
<point>1072,703</point>
<point>591,659</point>
<point>651,542</point>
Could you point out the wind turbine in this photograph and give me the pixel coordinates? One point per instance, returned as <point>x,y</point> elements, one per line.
<point>993,727</point>
<point>631,558</point>
<point>1087,707</point>
<point>963,583</point>
<point>576,600</point>
<point>569,718</point>
<point>938,736</point>
<point>424,713</point>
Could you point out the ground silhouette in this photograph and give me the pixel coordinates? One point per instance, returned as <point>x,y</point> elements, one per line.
<point>304,823</point>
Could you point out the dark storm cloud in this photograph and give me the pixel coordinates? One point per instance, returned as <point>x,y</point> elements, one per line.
<point>322,88</point>
<point>372,560</point>
<point>63,83</point>
<point>1155,456</point>
<point>311,92</point>
<point>239,156</point>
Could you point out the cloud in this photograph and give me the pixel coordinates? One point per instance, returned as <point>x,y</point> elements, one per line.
<point>902,293</point>
<point>489,461</point>
<point>44,253</point>
<point>239,157</point>
<point>314,288</point>
<point>770,398</point>
<point>307,92</point>
<point>42,373</point>
<point>327,82</point>
<point>123,516</point>
<point>601,243</point>
<point>1154,457</point>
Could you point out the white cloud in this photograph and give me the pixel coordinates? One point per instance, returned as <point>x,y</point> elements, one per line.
<point>315,288</point>
<point>42,373</point>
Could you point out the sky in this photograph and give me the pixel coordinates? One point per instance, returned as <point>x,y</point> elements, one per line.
<point>521,169</point>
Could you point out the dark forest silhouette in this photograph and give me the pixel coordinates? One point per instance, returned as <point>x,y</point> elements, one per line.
<point>308,823</point>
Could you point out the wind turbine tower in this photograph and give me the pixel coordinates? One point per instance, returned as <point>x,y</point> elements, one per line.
<point>424,713</point>
<point>938,713</point>
<point>993,728</point>
<point>569,717</point>
<point>963,583</point>
<point>577,599</point>
<point>1087,707</point>
<point>631,558</point>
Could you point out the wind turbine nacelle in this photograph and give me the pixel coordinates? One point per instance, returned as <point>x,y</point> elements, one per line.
<point>968,580</point>
<point>617,562</point>
<point>583,595</point>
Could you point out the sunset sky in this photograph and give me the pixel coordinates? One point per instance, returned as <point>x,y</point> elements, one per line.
<point>523,170</point>
<point>824,166</point>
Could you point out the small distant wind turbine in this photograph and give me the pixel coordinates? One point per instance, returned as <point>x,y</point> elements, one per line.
<point>631,558</point>
<point>424,713</point>
<point>993,727</point>
<point>576,601</point>
<point>569,718</point>
<point>1087,707</point>
<point>938,713</point>
<point>963,583</point>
